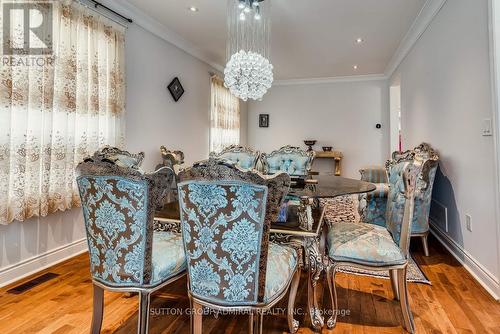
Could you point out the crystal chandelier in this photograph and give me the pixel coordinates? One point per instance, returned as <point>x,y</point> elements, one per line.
<point>248,73</point>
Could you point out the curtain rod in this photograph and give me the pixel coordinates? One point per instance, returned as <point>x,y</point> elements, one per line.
<point>98,4</point>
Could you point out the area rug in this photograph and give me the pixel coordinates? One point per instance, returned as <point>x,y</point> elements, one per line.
<point>414,275</point>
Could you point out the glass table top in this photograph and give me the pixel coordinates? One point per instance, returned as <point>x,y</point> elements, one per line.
<point>317,187</point>
<point>329,186</point>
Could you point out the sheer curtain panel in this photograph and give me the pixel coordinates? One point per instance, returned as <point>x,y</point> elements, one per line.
<point>58,110</point>
<point>225,116</point>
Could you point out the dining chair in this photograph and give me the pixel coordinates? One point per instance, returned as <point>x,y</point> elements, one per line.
<point>242,156</point>
<point>288,159</point>
<point>170,166</point>
<point>275,267</point>
<point>126,254</point>
<point>375,208</point>
<point>231,265</point>
<point>119,157</point>
<point>428,158</point>
<point>375,248</point>
<point>373,205</point>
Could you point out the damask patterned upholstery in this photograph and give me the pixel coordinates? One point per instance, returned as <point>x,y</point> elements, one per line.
<point>288,159</point>
<point>372,206</point>
<point>376,248</point>
<point>281,264</point>
<point>363,243</point>
<point>118,205</point>
<point>277,185</point>
<point>168,255</point>
<point>425,156</point>
<point>374,245</point>
<point>223,225</point>
<point>241,156</point>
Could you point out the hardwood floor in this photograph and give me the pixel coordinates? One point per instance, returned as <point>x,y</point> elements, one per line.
<point>455,303</point>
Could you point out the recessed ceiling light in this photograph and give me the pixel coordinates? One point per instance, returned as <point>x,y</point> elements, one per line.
<point>359,40</point>
<point>355,67</point>
<point>193,9</point>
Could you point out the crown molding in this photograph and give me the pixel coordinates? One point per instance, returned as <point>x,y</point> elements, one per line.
<point>328,80</point>
<point>429,11</point>
<point>160,30</point>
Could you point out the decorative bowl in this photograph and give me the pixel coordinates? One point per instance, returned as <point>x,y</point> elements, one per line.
<point>310,143</point>
<point>327,148</point>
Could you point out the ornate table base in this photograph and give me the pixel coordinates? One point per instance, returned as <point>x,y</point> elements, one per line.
<point>315,267</point>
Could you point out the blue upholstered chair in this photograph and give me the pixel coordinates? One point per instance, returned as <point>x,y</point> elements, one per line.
<point>372,206</point>
<point>372,210</point>
<point>243,157</point>
<point>288,159</point>
<point>376,248</point>
<point>226,215</point>
<point>126,255</point>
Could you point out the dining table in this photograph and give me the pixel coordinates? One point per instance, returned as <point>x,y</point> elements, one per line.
<point>304,227</point>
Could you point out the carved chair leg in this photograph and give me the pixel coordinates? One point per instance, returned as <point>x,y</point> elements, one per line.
<point>331,272</point>
<point>405,304</point>
<point>259,322</point>
<point>425,244</point>
<point>197,316</point>
<point>293,325</point>
<point>394,283</point>
<point>143,321</point>
<point>97,310</point>
<point>251,320</point>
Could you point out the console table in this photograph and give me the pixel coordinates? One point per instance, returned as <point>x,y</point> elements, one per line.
<point>336,156</point>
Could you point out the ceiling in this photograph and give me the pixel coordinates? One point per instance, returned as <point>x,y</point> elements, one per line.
<point>310,39</point>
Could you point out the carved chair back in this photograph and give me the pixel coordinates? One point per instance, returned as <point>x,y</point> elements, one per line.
<point>119,157</point>
<point>427,158</point>
<point>171,158</point>
<point>243,157</point>
<point>118,207</point>
<point>291,160</point>
<point>401,202</point>
<point>222,227</point>
<point>164,178</point>
<point>220,170</point>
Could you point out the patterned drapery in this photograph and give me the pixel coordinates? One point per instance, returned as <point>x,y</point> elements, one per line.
<point>224,116</point>
<point>56,112</point>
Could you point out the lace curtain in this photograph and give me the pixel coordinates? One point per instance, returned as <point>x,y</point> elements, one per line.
<point>55,114</point>
<point>225,116</point>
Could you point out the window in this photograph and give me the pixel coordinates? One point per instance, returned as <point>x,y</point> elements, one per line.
<point>224,116</point>
<point>57,108</point>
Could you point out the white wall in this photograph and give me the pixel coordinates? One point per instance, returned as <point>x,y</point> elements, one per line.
<point>153,118</point>
<point>342,115</point>
<point>446,94</point>
<point>27,247</point>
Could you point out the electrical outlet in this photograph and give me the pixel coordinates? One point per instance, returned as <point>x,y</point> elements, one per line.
<point>468,222</point>
<point>487,127</point>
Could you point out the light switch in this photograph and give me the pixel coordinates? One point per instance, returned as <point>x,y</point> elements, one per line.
<point>487,127</point>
